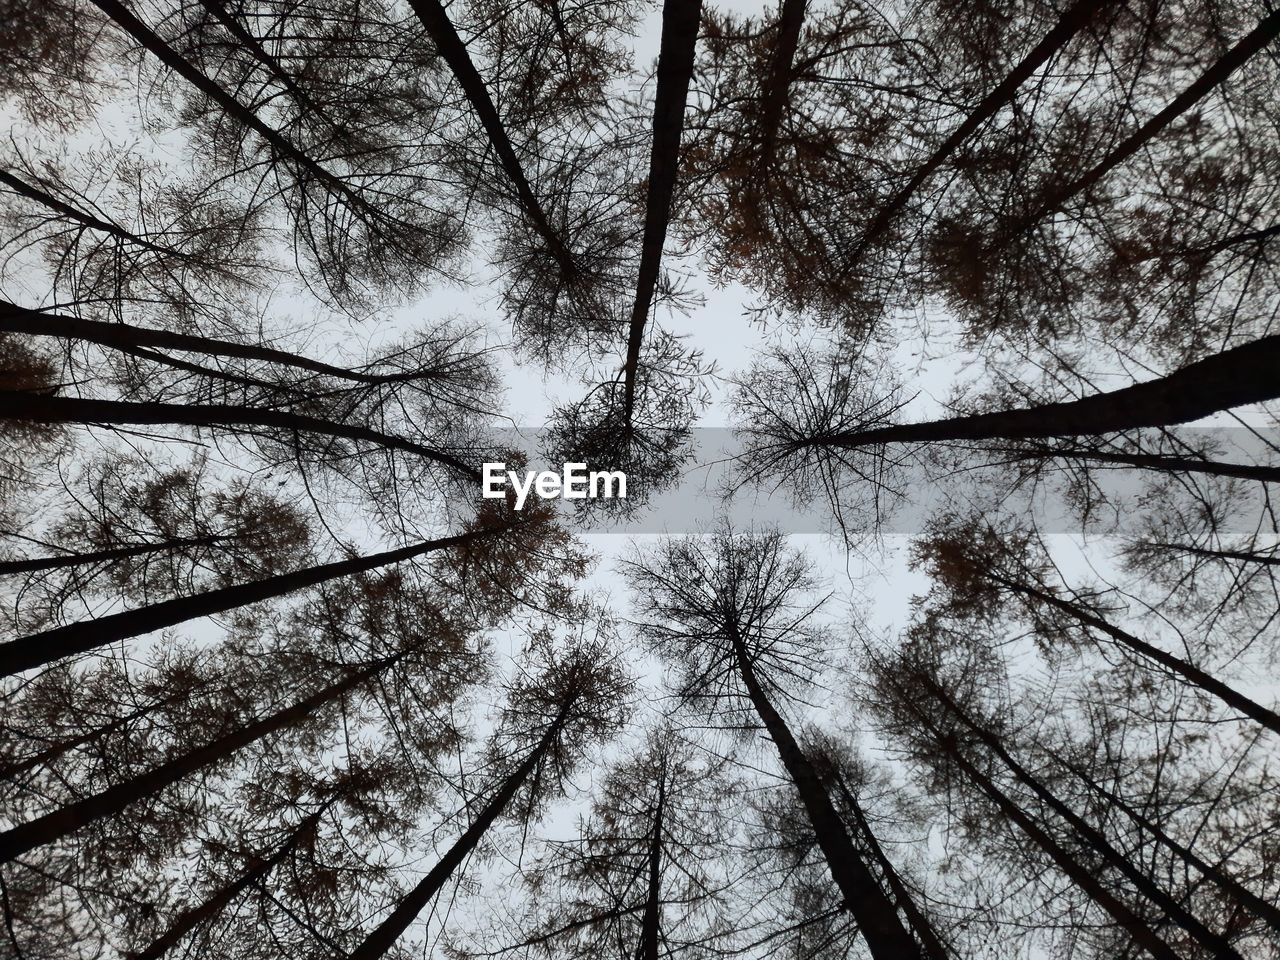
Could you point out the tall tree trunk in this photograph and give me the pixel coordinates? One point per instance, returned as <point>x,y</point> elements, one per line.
<point>650,924</point>
<point>919,921</point>
<point>38,408</point>
<point>38,649</point>
<point>1259,237</point>
<point>122,336</point>
<point>680,20</point>
<point>54,751</point>
<point>1218,945</point>
<point>1247,556</point>
<point>875,915</point>
<point>1181,668</point>
<point>1253,42</point>
<point>1072,21</point>
<point>384,937</point>
<point>777,82</point>
<point>1233,378</point>
<point>1081,875</point>
<point>250,43</point>
<point>37,564</point>
<point>213,907</point>
<point>1150,461</point>
<point>62,822</point>
<point>46,199</point>
<point>436,19</point>
<point>280,144</point>
<point>1265,911</point>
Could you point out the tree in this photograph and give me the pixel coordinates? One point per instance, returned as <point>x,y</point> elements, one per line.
<point>732,616</point>
<point>144,533</point>
<point>639,875</point>
<point>823,422</point>
<point>1230,379</point>
<point>551,719</point>
<point>253,728</point>
<point>784,146</point>
<point>935,685</point>
<point>977,570</point>
<point>937,738</point>
<point>1110,204</point>
<point>279,684</point>
<point>47,646</point>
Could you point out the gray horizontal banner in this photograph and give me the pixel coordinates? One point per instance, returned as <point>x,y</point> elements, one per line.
<point>1060,487</point>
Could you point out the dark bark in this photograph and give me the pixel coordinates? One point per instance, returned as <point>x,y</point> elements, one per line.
<point>1176,665</point>
<point>219,901</point>
<point>1237,377</point>
<point>1218,945</point>
<point>1082,876</point>
<point>37,564</point>
<point>1072,21</point>
<point>38,649</point>
<point>680,19</point>
<point>384,937</point>
<point>650,923</point>
<point>62,822</point>
<point>875,915</point>
<point>777,82</point>
<point>15,405</point>
<point>436,19</point>
<point>1266,559</point>
<point>1253,42</point>
<point>1227,884</point>
<point>1148,461</point>
<point>123,336</point>
<point>1259,237</point>
<point>56,750</point>
<point>281,145</point>
<point>920,923</point>
<point>46,199</point>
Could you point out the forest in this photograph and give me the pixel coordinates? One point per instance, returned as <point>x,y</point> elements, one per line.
<point>990,287</point>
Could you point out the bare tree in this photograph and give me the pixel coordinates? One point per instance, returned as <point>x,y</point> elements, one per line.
<point>732,615</point>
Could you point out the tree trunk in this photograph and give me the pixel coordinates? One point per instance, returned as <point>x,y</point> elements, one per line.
<point>384,937</point>
<point>17,405</point>
<point>1075,19</point>
<point>56,750</point>
<point>1218,945</point>
<point>1253,42</point>
<point>680,20</point>
<point>44,198</point>
<point>38,649</point>
<point>1259,237</point>
<point>37,564</point>
<point>1187,671</point>
<point>875,915</point>
<point>135,28</point>
<point>122,336</point>
<point>1149,461</point>
<point>1250,901</point>
<point>1082,876</point>
<point>436,19</point>
<point>62,822</point>
<point>1233,378</point>
<point>915,916</point>
<point>1266,559</point>
<point>777,82</point>
<point>222,898</point>
<point>650,924</point>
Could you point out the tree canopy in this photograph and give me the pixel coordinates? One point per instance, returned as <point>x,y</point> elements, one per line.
<point>988,291</point>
